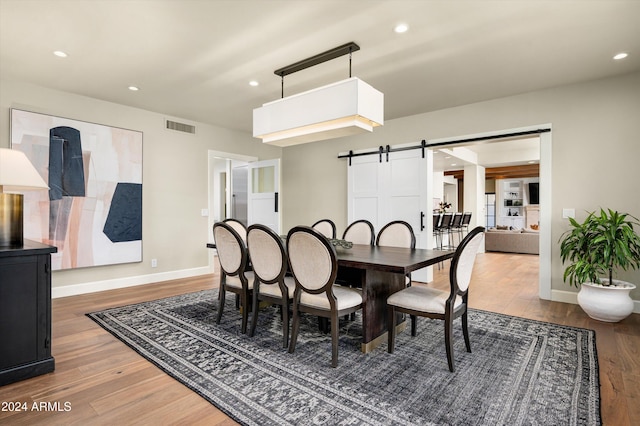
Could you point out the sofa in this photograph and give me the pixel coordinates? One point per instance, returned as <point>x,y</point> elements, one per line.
<point>512,240</point>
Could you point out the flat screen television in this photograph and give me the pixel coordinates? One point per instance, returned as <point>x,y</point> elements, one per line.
<point>534,193</point>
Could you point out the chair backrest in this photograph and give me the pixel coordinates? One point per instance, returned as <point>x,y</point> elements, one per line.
<point>312,259</point>
<point>360,232</point>
<point>464,259</point>
<point>238,227</point>
<point>466,218</point>
<point>396,234</point>
<point>326,227</point>
<point>457,220</point>
<point>232,252</point>
<point>268,258</point>
<point>437,218</point>
<point>446,220</point>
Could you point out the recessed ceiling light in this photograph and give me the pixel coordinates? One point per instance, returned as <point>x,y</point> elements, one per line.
<point>401,28</point>
<point>454,164</point>
<point>253,83</point>
<point>60,54</point>
<point>134,88</point>
<point>620,55</point>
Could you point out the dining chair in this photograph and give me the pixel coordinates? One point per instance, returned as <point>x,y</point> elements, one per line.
<point>397,233</point>
<point>234,277</point>
<point>269,267</point>
<point>360,232</point>
<point>314,266</point>
<point>444,305</point>
<point>237,226</point>
<point>326,227</point>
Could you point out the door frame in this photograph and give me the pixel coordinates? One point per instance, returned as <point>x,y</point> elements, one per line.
<point>545,139</point>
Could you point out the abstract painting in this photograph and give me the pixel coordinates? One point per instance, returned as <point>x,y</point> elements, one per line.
<point>92,211</point>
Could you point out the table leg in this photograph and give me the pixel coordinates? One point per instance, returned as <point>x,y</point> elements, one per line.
<point>377,286</point>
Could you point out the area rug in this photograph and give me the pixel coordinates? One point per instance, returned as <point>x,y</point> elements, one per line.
<point>521,372</point>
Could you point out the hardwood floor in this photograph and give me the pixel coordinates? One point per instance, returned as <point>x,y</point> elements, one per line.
<point>104,382</point>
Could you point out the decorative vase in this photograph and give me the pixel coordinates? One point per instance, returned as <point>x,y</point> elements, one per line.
<point>606,303</point>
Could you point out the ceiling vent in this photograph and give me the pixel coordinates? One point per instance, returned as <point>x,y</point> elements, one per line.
<point>181,127</point>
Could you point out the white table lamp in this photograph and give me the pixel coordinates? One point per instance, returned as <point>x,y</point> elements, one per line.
<point>17,174</point>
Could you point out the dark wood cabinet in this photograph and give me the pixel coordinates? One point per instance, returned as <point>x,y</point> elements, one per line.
<point>25,312</point>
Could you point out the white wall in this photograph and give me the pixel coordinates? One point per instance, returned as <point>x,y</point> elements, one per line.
<point>175,184</point>
<point>595,153</point>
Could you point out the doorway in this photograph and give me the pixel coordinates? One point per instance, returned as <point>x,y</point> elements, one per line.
<point>545,156</point>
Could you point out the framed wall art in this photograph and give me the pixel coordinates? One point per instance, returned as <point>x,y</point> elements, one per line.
<point>92,211</point>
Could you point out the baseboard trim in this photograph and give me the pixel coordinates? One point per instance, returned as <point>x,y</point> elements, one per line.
<point>572,297</point>
<point>92,287</point>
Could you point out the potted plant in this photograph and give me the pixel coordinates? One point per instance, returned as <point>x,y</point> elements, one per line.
<point>604,242</point>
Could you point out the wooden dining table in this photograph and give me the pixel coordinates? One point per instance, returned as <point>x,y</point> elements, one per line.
<point>380,271</point>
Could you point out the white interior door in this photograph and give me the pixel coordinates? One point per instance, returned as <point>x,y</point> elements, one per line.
<point>407,195</point>
<point>365,189</point>
<point>263,193</point>
<point>392,189</point>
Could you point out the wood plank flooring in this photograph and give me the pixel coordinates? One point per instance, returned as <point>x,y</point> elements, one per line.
<point>107,383</point>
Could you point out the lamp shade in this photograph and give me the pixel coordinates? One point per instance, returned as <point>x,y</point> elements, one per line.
<point>17,173</point>
<point>344,108</point>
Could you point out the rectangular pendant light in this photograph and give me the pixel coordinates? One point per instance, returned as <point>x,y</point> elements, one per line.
<point>344,108</point>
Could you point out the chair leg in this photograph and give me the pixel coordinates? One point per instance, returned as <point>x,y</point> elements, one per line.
<point>334,339</point>
<point>448,341</point>
<point>245,312</point>
<point>294,329</point>
<point>284,311</point>
<point>254,314</point>
<point>222,298</point>
<point>465,331</point>
<point>391,332</point>
<point>414,325</point>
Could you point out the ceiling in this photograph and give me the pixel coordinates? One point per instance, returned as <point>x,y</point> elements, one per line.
<point>193,59</point>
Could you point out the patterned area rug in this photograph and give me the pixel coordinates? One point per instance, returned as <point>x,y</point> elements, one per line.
<point>521,372</point>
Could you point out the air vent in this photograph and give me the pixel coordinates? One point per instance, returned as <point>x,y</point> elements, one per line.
<point>181,127</point>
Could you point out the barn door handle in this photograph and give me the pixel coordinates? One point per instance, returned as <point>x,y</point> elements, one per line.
<point>276,206</point>
<point>422,221</point>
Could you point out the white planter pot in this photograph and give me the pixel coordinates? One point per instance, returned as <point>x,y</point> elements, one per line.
<point>609,304</point>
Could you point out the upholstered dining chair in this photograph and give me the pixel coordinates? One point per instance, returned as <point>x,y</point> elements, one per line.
<point>326,227</point>
<point>237,226</point>
<point>314,266</point>
<point>397,234</point>
<point>445,305</point>
<point>360,232</point>
<point>234,277</point>
<point>269,267</point>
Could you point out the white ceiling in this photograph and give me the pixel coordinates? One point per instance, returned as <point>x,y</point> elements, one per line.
<point>193,59</point>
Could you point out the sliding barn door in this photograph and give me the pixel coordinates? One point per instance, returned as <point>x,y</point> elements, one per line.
<point>365,189</point>
<point>391,187</point>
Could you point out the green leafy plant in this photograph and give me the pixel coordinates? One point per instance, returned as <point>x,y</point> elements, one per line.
<point>602,243</point>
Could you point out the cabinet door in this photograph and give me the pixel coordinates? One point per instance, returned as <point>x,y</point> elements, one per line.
<point>18,310</point>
